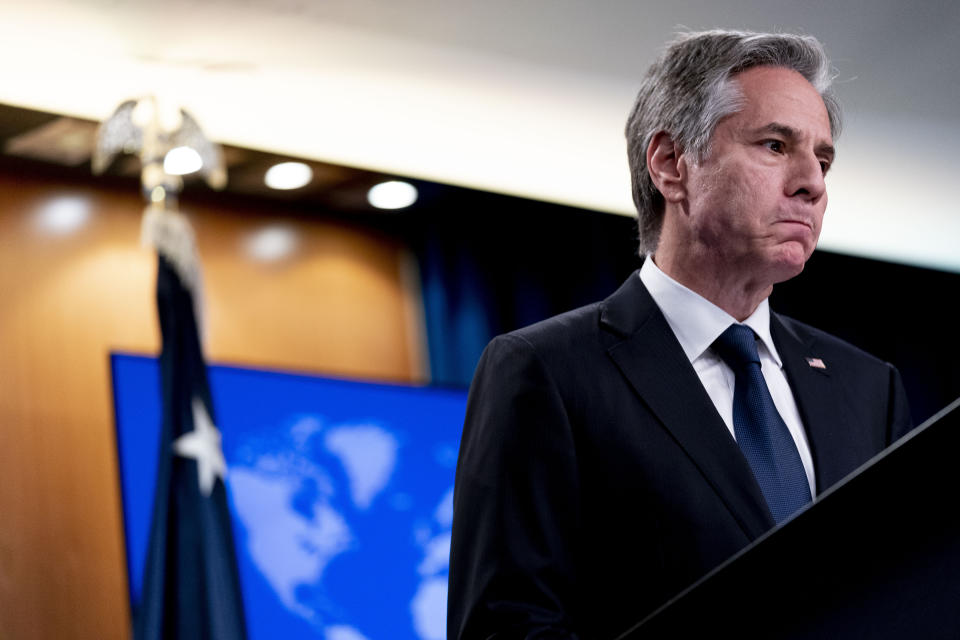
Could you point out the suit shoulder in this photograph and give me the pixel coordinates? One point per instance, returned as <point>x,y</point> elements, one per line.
<point>557,344</point>
<point>829,343</point>
<point>560,331</point>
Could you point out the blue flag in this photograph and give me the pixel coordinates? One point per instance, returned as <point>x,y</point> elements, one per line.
<point>191,586</point>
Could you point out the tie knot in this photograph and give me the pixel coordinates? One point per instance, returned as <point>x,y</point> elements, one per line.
<point>737,346</point>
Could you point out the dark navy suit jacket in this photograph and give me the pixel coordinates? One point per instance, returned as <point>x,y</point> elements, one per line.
<point>596,478</point>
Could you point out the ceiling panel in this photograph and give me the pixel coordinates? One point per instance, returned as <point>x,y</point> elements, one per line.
<point>525,98</point>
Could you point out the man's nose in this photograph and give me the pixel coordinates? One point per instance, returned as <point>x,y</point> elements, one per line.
<point>806,179</point>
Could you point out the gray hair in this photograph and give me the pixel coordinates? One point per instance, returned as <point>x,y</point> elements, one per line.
<point>689,89</point>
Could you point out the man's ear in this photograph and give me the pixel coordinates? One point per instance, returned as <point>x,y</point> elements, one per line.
<point>667,167</point>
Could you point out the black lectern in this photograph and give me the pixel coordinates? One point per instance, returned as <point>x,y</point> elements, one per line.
<point>877,556</point>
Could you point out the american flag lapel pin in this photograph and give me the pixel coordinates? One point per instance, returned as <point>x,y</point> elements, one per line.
<point>816,363</point>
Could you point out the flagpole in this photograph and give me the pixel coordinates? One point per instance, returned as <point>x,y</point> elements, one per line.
<point>191,585</point>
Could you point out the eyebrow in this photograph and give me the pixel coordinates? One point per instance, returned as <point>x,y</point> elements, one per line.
<point>790,133</point>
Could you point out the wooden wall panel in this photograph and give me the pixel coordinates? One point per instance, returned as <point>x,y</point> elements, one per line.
<point>339,305</point>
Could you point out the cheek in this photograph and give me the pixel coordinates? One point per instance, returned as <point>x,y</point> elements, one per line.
<point>730,203</point>
<point>820,214</point>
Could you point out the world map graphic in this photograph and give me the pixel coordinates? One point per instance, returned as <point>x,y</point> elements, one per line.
<point>341,494</point>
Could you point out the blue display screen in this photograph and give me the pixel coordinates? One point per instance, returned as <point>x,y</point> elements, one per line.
<point>341,495</point>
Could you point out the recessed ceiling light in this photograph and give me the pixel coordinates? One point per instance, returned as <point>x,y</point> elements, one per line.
<point>271,243</point>
<point>288,175</point>
<point>180,161</point>
<point>64,214</point>
<point>392,195</point>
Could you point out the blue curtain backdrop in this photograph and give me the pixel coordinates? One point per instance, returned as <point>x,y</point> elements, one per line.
<point>490,264</point>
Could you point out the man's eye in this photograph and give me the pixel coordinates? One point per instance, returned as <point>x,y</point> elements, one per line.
<point>824,166</point>
<point>774,145</point>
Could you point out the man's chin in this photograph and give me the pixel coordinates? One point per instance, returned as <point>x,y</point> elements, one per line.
<point>789,263</point>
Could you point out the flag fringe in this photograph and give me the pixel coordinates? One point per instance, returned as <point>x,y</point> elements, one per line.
<point>169,232</point>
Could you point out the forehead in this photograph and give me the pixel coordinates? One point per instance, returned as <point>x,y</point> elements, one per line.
<point>777,94</point>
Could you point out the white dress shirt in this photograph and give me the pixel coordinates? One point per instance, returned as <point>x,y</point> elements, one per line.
<point>697,323</point>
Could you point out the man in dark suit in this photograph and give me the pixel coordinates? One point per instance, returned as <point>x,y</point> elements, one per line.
<point>614,454</point>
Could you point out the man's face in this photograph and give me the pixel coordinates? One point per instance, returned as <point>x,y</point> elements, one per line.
<point>757,200</point>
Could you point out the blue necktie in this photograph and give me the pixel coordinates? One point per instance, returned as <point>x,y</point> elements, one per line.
<point>761,433</point>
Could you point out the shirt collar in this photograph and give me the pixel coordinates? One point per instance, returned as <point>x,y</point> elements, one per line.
<point>696,321</point>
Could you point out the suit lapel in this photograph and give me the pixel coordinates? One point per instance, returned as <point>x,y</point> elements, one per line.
<point>651,358</point>
<point>821,405</point>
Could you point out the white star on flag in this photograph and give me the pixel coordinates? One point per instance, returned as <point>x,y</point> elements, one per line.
<point>203,445</point>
